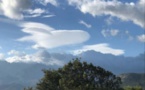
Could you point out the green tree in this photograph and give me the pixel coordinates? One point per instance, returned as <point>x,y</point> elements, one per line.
<point>78,75</point>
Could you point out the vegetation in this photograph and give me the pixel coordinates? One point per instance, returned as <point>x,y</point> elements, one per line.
<point>78,75</point>
<point>133,88</point>
<point>133,80</point>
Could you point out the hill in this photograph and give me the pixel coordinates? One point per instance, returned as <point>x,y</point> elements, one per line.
<point>133,79</point>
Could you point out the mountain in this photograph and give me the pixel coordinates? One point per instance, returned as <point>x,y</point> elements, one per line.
<point>16,76</point>
<point>133,79</point>
<point>116,64</point>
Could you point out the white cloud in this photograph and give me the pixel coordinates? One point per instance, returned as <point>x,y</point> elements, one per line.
<point>85,24</point>
<point>36,12</point>
<point>112,32</point>
<point>14,8</point>
<point>45,2</point>
<point>40,57</point>
<point>1,56</point>
<point>47,16</point>
<point>47,37</point>
<point>125,11</point>
<point>102,48</point>
<point>15,52</point>
<point>141,38</point>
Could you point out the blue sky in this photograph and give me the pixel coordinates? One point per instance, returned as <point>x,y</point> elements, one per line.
<point>71,26</point>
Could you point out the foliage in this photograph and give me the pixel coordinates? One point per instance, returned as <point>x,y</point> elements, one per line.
<point>133,88</point>
<point>78,75</point>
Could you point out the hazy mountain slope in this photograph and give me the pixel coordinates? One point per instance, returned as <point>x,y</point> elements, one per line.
<point>133,79</point>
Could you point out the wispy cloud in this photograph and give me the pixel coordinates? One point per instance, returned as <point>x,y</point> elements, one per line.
<point>130,37</point>
<point>45,2</point>
<point>125,11</point>
<point>48,16</point>
<point>45,36</point>
<point>141,38</point>
<point>36,12</point>
<point>102,48</point>
<point>85,24</point>
<point>109,20</point>
<point>112,32</point>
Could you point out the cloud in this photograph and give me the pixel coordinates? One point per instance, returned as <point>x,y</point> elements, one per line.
<point>115,64</point>
<point>36,12</point>
<point>14,8</point>
<point>112,32</point>
<point>45,2</point>
<point>1,56</point>
<point>109,20</point>
<point>130,37</point>
<point>47,16</point>
<point>45,36</point>
<point>141,38</point>
<point>85,24</point>
<point>102,48</point>
<point>41,56</point>
<point>125,11</point>
<point>17,53</point>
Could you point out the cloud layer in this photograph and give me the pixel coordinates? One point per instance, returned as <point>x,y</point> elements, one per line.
<point>45,36</point>
<point>125,11</point>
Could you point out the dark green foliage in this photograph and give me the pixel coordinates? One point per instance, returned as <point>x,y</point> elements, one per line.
<point>78,75</point>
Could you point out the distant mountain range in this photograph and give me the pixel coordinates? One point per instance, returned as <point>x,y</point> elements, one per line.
<point>16,76</point>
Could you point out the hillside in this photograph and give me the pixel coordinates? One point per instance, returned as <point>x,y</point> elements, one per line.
<point>133,79</point>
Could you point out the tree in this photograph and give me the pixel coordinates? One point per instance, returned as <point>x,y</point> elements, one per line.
<point>78,75</point>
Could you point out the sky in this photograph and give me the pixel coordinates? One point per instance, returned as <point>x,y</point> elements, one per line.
<point>27,27</point>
